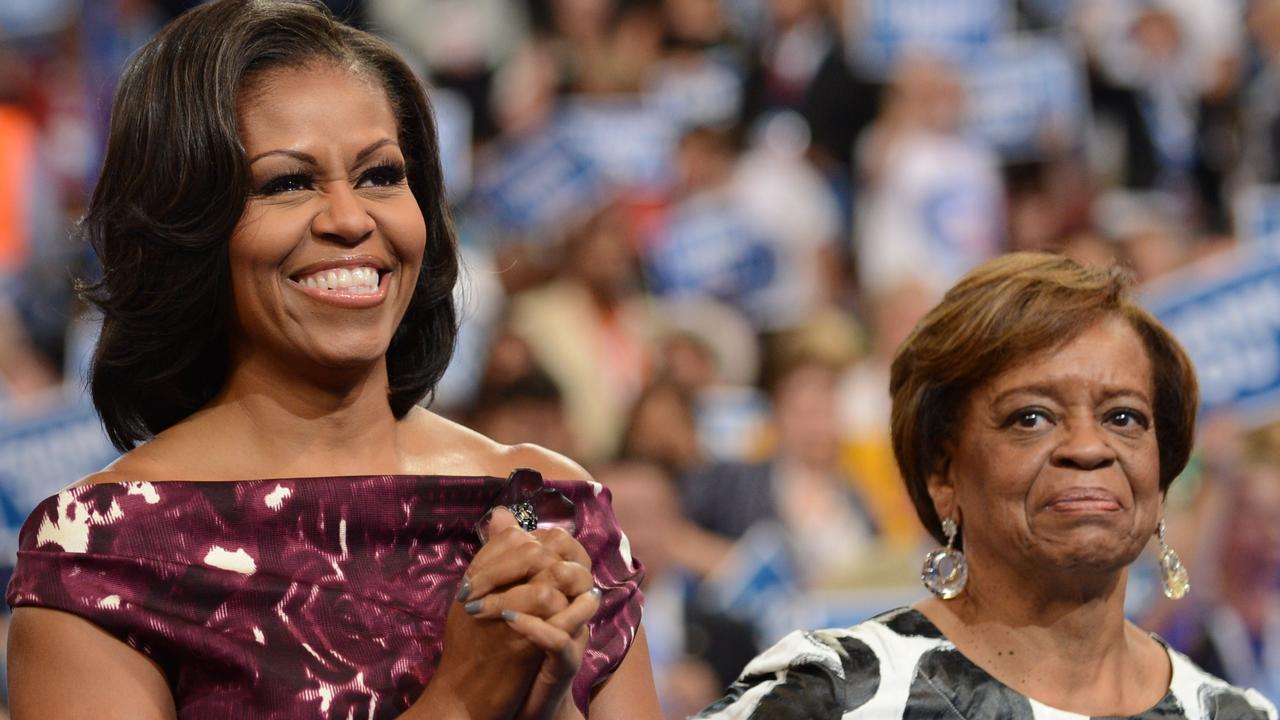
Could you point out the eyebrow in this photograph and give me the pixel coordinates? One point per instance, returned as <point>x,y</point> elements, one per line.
<point>1050,391</point>
<point>365,152</point>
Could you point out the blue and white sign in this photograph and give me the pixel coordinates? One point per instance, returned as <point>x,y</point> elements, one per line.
<point>630,142</point>
<point>1226,313</point>
<point>41,454</point>
<point>879,33</point>
<point>706,90</point>
<point>708,250</point>
<point>758,577</point>
<point>532,187</point>
<point>1026,95</point>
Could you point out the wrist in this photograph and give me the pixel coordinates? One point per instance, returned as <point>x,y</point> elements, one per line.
<point>448,696</point>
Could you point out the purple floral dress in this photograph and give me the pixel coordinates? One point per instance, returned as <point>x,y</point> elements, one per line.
<point>299,598</point>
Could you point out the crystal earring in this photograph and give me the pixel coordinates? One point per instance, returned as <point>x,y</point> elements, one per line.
<point>945,571</point>
<point>1173,574</point>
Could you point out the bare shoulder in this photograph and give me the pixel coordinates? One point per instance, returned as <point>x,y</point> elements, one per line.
<point>63,666</point>
<point>552,465</point>
<point>142,464</point>
<point>445,447</point>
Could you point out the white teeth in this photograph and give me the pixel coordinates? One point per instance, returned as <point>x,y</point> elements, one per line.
<point>356,281</point>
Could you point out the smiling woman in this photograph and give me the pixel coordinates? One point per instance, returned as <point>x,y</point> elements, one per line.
<point>326,257</point>
<point>1039,416</point>
<point>288,534</point>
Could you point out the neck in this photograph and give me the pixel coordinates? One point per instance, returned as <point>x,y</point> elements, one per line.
<point>1080,619</point>
<point>291,425</point>
<point>1062,640</point>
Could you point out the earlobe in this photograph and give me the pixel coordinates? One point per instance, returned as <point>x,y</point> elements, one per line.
<point>942,491</point>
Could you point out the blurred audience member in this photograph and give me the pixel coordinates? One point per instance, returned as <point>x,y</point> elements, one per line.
<point>862,397</point>
<point>1233,630</point>
<point>930,202</point>
<point>801,486</point>
<point>591,329</point>
<point>525,409</point>
<point>695,651</point>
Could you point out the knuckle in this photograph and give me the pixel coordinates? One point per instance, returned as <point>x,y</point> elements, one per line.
<point>544,596</point>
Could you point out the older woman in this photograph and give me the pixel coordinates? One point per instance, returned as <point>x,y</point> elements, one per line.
<point>289,535</point>
<point>1039,416</point>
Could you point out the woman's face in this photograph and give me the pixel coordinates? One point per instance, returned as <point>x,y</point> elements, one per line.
<point>1056,465</point>
<point>326,255</point>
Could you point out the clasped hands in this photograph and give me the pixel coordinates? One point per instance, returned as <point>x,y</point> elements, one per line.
<point>515,637</point>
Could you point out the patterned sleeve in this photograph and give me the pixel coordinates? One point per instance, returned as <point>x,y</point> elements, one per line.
<point>617,574</point>
<point>75,556</point>
<point>815,675</point>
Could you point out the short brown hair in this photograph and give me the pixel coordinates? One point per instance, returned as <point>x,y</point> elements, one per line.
<point>1006,309</point>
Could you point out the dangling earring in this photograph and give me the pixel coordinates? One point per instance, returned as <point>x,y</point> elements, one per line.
<point>1173,574</point>
<point>945,571</point>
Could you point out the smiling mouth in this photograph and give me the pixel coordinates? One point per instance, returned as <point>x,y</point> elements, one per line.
<point>360,280</point>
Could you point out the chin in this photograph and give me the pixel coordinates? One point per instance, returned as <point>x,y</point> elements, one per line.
<point>1096,550</point>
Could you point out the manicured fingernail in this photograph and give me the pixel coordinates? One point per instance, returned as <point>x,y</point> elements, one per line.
<point>464,590</point>
<point>473,607</point>
<point>509,615</point>
<point>597,592</point>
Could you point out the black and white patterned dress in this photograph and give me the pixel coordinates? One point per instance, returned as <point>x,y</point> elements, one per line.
<point>899,665</point>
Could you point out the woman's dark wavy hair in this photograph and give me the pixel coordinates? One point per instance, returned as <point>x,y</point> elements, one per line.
<point>174,184</point>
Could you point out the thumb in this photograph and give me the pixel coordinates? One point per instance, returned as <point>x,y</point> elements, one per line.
<point>499,519</point>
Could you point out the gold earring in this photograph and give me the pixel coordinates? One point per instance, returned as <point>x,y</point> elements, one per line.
<point>1173,574</point>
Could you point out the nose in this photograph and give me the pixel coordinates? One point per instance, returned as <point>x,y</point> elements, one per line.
<point>1083,446</point>
<point>344,218</point>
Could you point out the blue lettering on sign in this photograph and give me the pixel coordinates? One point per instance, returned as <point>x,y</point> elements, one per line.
<point>881,32</point>
<point>535,185</point>
<point>630,143</point>
<point>1024,94</point>
<point>1229,324</point>
<point>707,251</point>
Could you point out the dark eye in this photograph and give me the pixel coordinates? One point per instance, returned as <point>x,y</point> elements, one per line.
<point>1128,418</point>
<point>382,176</point>
<point>286,183</point>
<point>1028,418</point>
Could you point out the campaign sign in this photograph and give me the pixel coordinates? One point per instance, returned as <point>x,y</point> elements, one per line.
<point>1257,216</point>
<point>756,579</point>
<point>1026,96</point>
<point>630,142</point>
<point>696,92</point>
<point>1226,313</point>
<point>534,185</point>
<point>41,454</point>
<point>707,249</point>
<point>879,33</point>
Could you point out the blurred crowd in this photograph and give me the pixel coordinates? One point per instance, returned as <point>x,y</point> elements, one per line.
<point>695,231</point>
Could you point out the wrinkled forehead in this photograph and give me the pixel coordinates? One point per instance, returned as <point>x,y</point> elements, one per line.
<point>1108,355</point>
